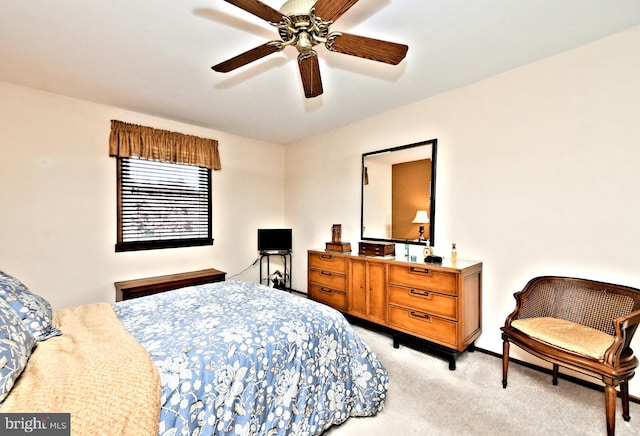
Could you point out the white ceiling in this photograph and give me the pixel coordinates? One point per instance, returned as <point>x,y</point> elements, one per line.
<point>155,56</point>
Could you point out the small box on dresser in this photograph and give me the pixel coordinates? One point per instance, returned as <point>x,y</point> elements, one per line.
<point>376,248</point>
<point>340,247</point>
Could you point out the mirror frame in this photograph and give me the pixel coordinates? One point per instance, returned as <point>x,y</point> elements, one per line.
<point>432,212</point>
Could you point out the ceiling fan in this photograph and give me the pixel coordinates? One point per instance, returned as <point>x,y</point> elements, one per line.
<point>305,24</point>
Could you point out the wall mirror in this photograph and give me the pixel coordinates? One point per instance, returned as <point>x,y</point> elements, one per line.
<point>399,194</point>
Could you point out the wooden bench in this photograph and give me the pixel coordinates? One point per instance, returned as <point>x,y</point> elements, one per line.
<point>580,324</point>
<point>128,289</point>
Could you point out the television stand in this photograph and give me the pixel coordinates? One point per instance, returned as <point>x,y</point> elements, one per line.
<point>285,255</point>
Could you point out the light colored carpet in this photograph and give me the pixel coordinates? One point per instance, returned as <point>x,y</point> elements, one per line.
<point>425,398</point>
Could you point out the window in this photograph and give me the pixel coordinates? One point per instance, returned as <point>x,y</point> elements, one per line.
<point>162,205</point>
<point>164,187</point>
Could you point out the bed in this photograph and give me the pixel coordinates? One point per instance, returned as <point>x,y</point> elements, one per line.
<point>223,358</point>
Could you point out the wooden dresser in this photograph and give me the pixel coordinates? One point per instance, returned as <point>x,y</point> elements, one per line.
<point>440,304</point>
<point>128,289</point>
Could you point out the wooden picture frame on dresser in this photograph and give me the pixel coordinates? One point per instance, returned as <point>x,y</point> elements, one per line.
<point>440,304</point>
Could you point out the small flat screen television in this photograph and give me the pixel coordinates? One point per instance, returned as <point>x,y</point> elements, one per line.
<point>274,239</point>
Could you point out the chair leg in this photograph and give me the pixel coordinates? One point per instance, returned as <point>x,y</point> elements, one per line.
<point>555,374</point>
<point>624,391</point>
<point>610,397</point>
<point>505,362</point>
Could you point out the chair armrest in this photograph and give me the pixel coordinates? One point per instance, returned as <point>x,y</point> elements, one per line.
<point>519,296</point>
<point>621,324</point>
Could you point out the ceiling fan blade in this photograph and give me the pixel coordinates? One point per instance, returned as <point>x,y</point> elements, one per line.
<point>310,74</point>
<point>258,9</point>
<point>331,10</point>
<point>368,48</point>
<point>247,57</point>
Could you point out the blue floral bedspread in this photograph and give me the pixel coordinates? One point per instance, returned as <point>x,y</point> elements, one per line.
<point>244,359</point>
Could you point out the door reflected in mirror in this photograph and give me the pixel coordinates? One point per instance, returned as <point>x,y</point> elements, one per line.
<point>398,193</point>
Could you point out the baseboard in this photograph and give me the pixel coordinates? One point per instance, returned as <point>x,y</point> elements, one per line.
<point>567,377</point>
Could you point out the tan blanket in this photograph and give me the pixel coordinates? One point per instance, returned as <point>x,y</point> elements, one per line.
<point>96,371</point>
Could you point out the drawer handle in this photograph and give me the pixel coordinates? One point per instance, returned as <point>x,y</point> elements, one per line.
<point>326,274</point>
<point>420,270</point>
<point>326,290</point>
<point>420,293</point>
<point>419,315</point>
<point>326,256</point>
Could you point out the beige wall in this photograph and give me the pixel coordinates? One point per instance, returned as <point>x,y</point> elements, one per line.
<point>538,173</point>
<point>58,199</point>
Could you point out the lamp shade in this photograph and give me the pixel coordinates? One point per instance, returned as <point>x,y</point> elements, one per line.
<point>421,217</point>
<point>297,7</point>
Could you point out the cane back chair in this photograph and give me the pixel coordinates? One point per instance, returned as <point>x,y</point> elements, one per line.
<point>580,324</point>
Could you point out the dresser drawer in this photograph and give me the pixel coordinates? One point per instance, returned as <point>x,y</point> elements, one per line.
<point>424,325</point>
<point>328,262</point>
<point>423,277</point>
<point>424,301</point>
<point>331,297</point>
<point>328,279</point>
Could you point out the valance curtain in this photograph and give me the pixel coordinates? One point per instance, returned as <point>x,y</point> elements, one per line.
<point>132,140</point>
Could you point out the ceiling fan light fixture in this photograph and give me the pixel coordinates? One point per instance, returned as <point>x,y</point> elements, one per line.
<point>300,28</point>
<point>297,7</point>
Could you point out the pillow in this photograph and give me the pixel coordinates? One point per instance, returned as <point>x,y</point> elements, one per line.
<point>16,343</point>
<point>34,310</point>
